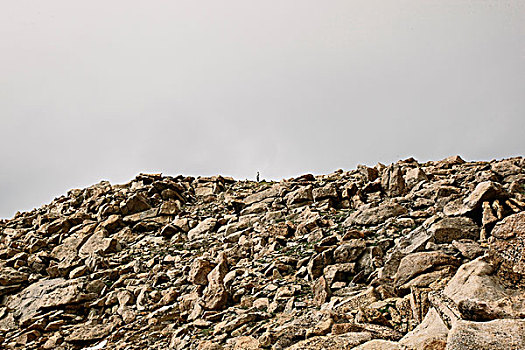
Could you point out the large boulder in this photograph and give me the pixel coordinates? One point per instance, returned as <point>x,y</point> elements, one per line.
<point>480,295</point>
<point>504,334</point>
<point>508,243</point>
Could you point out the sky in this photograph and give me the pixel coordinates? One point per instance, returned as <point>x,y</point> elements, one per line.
<point>103,90</point>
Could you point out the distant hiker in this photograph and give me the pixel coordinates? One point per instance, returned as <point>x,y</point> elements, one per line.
<point>257,176</point>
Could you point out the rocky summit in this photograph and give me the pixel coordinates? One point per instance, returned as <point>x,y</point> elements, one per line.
<point>405,256</point>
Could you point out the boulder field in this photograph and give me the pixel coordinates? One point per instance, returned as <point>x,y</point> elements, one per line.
<point>405,256</point>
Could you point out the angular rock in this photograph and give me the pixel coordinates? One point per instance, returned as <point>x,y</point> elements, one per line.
<point>508,243</point>
<point>418,263</point>
<point>430,334</point>
<point>484,191</point>
<point>392,181</point>
<point>216,295</point>
<point>480,295</point>
<point>447,230</point>
<point>202,228</point>
<point>350,251</point>
<point>46,294</point>
<point>414,176</point>
<point>136,203</point>
<point>321,291</point>
<point>200,269</point>
<point>375,215</point>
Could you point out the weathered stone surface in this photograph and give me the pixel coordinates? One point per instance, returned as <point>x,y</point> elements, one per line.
<point>99,243</point>
<point>375,215</point>
<point>470,249</point>
<point>10,276</point>
<point>350,251</point>
<point>414,176</point>
<point>325,192</point>
<point>299,197</point>
<point>392,181</point>
<point>321,290</point>
<point>202,228</point>
<point>43,295</point>
<point>418,263</point>
<point>200,269</point>
<point>447,230</point>
<point>431,333</point>
<point>493,335</point>
<point>135,204</point>
<point>480,295</point>
<point>508,243</point>
<point>271,192</point>
<point>484,191</point>
<point>89,332</point>
<point>379,344</point>
<point>216,295</point>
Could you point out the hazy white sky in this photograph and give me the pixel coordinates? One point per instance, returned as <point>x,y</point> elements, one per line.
<point>93,90</point>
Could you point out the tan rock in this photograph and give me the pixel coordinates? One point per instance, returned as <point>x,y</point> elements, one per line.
<point>203,227</point>
<point>508,243</point>
<point>136,203</point>
<point>379,344</point>
<point>99,243</point>
<point>392,181</point>
<point>375,215</point>
<point>480,295</point>
<point>414,176</point>
<point>45,294</point>
<point>484,191</point>
<point>216,295</point>
<point>349,251</point>
<point>10,276</point>
<point>447,230</point>
<point>428,334</point>
<point>502,334</point>
<point>417,263</point>
<point>246,343</point>
<point>90,332</point>
<point>346,341</point>
<point>200,268</point>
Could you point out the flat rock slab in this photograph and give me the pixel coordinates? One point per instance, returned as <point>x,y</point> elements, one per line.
<point>46,294</point>
<point>508,242</point>
<point>375,215</point>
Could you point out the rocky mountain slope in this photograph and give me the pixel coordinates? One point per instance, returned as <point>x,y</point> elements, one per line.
<point>405,256</point>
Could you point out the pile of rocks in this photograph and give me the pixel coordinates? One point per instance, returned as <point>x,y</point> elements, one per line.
<point>406,256</point>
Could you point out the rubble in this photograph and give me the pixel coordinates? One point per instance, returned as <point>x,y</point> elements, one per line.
<point>404,256</point>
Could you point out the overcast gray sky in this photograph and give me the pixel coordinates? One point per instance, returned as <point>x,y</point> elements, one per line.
<point>93,90</point>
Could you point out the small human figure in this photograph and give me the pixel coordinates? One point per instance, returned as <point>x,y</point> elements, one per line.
<point>257,176</point>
